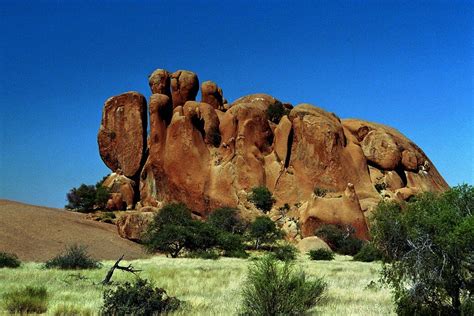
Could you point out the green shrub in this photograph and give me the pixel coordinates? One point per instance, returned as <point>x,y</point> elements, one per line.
<point>273,288</point>
<point>276,111</point>
<point>9,260</point>
<point>264,231</point>
<point>321,254</point>
<point>74,257</point>
<point>368,253</point>
<point>173,231</point>
<point>87,198</point>
<point>340,238</point>
<point>350,246</point>
<point>28,300</point>
<point>138,298</point>
<point>286,252</point>
<point>227,219</point>
<point>262,198</point>
<point>203,254</point>
<point>429,249</point>
<point>106,217</point>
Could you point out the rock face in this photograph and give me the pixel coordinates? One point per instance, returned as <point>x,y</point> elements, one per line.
<point>210,154</point>
<point>122,133</point>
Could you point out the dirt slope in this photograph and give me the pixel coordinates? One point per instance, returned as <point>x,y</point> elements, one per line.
<point>38,233</point>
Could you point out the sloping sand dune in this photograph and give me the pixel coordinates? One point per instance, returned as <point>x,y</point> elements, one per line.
<point>37,233</point>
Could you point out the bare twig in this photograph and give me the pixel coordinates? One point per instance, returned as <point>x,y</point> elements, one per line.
<point>129,268</point>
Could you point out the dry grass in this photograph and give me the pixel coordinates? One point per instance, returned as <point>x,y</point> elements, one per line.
<point>208,287</point>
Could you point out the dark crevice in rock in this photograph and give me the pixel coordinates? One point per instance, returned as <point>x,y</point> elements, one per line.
<point>401,172</point>
<point>199,125</point>
<point>289,144</point>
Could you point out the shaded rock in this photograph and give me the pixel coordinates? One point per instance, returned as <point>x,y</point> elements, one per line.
<point>132,225</point>
<point>205,120</point>
<point>116,202</point>
<point>184,87</point>
<point>122,133</point>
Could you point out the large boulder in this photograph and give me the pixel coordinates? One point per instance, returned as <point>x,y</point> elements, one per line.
<point>159,82</point>
<point>311,243</point>
<point>184,87</point>
<point>131,225</point>
<point>212,94</point>
<point>122,133</point>
<point>211,154</point>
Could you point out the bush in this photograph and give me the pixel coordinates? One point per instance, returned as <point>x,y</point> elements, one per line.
<point>87,198</point>
<point>430,249</point>
<point>264,231</point>
<point>106,217</point>
<point>173,230</point>
<point>286,252</point>
<point>262,198</point>
<point>276,111</point>
<point>139,298</point>
<point>368,253</point>
<point>74,257</point>
<point>273,288</point>
<point>26,301</point>
<point>227,219</point>
<point>9,260</point>
<point>321,254</point>
<point>340,239</point>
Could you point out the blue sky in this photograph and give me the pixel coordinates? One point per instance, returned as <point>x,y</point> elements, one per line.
<point>405,64</point>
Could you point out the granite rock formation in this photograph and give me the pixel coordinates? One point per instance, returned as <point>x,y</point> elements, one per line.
<point>210,154</point>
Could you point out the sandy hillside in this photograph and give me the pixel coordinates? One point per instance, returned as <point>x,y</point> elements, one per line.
<point>38,233</point>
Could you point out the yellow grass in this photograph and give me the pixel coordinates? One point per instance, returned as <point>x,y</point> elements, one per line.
<point>209,287</point>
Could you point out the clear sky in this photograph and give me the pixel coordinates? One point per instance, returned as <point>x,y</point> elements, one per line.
<point>405,64</point>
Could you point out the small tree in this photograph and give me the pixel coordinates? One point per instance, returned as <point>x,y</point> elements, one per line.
<point>169,230</point>
<point>81,198</point>
<point>227,219</point>
<point>430,248</point>
<point>264,231</point>
<point>276,111</point>
<point>262,198</point>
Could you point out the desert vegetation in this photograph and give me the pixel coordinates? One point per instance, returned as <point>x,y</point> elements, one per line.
<point>204,287</point>
<point>88,198</point>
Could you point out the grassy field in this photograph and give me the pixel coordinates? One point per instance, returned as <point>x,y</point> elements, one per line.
<point>209,287</point>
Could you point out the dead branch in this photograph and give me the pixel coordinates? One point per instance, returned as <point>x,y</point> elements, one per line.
<point>128,268</point>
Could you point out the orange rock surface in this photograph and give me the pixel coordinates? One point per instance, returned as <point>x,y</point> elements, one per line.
<point>209,154</point>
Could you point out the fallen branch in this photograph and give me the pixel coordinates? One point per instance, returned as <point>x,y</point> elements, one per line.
<point>129,268</point>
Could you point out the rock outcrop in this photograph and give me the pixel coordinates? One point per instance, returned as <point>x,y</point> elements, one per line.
<point>210,154</point>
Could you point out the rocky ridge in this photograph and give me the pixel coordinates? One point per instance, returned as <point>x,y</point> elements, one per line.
<point>211,153</point>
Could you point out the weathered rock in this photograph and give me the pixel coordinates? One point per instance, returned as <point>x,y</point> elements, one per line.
<point>118,183</point>
<point>205,120</point>
<point>211,154</point>
<point>132,225</point>
<point>122,133</point>
<point>184,87</point>
<point>380,149</point>
<point>159,82</point>
<point>116,202</point>
<point>345,210</point>
<point>307,244</point>
<point>212,94</point>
